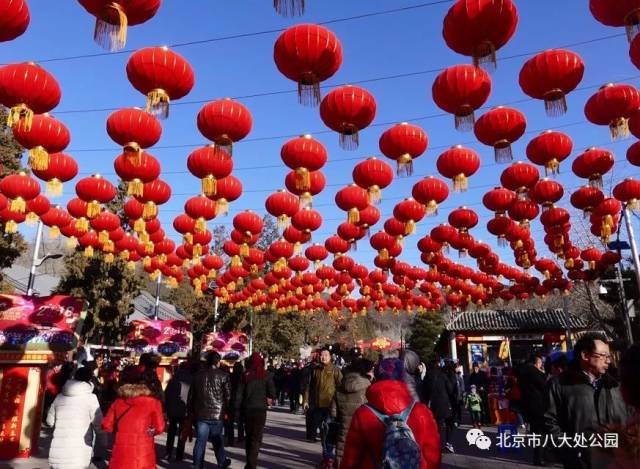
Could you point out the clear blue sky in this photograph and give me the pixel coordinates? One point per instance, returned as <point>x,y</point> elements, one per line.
<point>397,43</point>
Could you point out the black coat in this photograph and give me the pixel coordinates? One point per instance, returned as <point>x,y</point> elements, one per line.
<point>480,380</point>
<point>254,394</point>
<point>439,392</point>
<point>576,407</point>
<point>532,385</point>
<point>177,394</point>
<point>210,394</point>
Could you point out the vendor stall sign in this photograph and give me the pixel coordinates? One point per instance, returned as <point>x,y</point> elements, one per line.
<point>171,338</point>
<point>40,323</point>
<point>231,346</point>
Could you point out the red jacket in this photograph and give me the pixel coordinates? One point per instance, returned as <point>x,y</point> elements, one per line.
<point>134,447</point>
<point>364,440</point>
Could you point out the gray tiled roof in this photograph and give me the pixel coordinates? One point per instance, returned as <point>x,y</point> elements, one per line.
<point>514,320</point>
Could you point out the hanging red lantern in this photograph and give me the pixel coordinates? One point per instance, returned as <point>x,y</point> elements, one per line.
<point>403,143</point>
<point>463,219</point>
<point>409,212</point>
<point>134,130</point>
<point>316,253</point>
<point>586,199</point>
<point>460,90</point>
<point>523,211</point>
<point>458,163</point>
<point>224,122</point>
<point>45,135</point>
<point>500,226</point>
<point>307,220</point>
<point>550,76</point>
<point>499,128</point>
<point>201,209</point>
<point>114,17</point>
<point>308,54</point>
<point>36,207</point>
<point>383,242</point>
<point>209,164</point>
<point>478,28</point>
<point>617,14</point>
<point>154,193</point>
<point>61,168</point>
<point>499,200</point>
<point>628,192</point>
<point>15,19</point>
<point>592,164</point>
<point>160,74</point>
<point>77,208</point>
<point>228,190</point>
<point>336,245</point>
<point>351,233</point>
<point>373,175</point>
<point>430,191</point>
<point>369,216</point>
<point>546,192</point>
<point>248,222</point>
<point>11,220</point>
<point>19,189</point>
<point>348,110</point>
<point>612,105</point>
<point>304,155</point>
<point>185,225</point>
<point>520,177</point>
<point>282,205</point>
<point>555,216</point>
<point>352,199</point>
<point>395,228</point>
<point>27,89</point>
<point>633,154</point>
<point>137,172</point>
<point>55,218</point>
<point>591,255</point>
<point>549,149</point>
<point>103,223</point>
<point>296,237</point>
<point>317,182</point>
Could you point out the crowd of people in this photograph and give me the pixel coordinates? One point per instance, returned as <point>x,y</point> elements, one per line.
<point>395,411</point>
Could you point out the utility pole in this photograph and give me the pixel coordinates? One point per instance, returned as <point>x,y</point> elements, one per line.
<point>216,301</point>
<point>567,324</point>
<point>157,304</point>
<point>626,214</point>
<point>34,259</point>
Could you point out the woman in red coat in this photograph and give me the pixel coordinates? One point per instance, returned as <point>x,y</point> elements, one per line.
<point>135,418</point>
<point>389,395</point>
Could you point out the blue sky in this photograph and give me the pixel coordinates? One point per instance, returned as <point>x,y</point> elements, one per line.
<point>378,46</point>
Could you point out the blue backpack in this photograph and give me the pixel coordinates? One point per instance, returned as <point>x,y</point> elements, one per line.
<point>399,447</point>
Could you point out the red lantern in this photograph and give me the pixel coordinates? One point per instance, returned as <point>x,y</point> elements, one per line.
<point>304,155</point>
<point>155,193</point>
<point>347,110</point>
<point>463,219</point>
<point>478,28</point>
<point>458,163</point>
<point>633,154</point>
<point>248,222</point>
<point>113,18</point>
<point>373,175</point>
<point>282,205</point>
<point>351,233</point>
<point>55,218</point>
<point>523,211</point>
<point>61,168</point>
<point>352,199</point>
<point>555,216</point>
<point>336,245</point>
<point>546,192</point>
<point>46,135</point>
<point>612,105</point>
<point>103,223</point>
<point>185,225</point>
<point>520,177</point>
<point>628,192</point>
<point>548,149</point>
<point>460,90</point>
<point>403,143</point>
<point>317,182</point>
<point>19,189</point>
<point>228,190</point>
<point>27,89</point>
<point>308,54</point>
<point>369,217</point>
<point>617,14</point>
<point>499,200</point>
<point>224,122</point>
<point>15,19</point>
<point>550,76</point>
<point>592,165</point>
<point>201,209</point>
<point>430,192</point>
<point>36,207</point>
<point>137,172</point>
<point>134,130</point>
<point>409,212</point>
<point>209,164</point>
<point>499,128</point>
<point>306,220</point>
<point>587,198</point>
<point>160,74</point>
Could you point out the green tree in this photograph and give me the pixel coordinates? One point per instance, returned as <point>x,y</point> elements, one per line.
<point>423,334</point>
<point>11,245</point>
<point>109,288</point>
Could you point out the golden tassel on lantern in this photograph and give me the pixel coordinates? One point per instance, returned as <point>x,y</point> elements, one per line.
<point>131,265</point>
<point>10,227</point>
<point>209,185</point>
<point>139,225</point>
<point>384,254</point>
<point>222,207</point>
<point>253,270</point>
<point>306,200</point>
<point>188,238</point>
<point>146,261</point>
<point>148,248</point>
<point>460,183</point>
<point>54,188</point>
<point>282,222</point>
<point>133,153</point>
<point>54,232</point>
<point>124,255</point>
<point>112,34</point>
<point>20,115</point>
<point>552,167</point>
<point>236,261</point>
<point>197,251</point>
<point>31,219</point>
<point>108,246</point>
<point>212,274</point>
<point>172,282</point>
<point>432,207</point>
<point>135,188</point>
<point>303,179</point>
<point>38,158</point>
<point>88,251</point>
<point>144,237</point>
<point>93,209</point>
<point>149,211</point>
<point>404,165</point>
<point>374,195</point>
<point>619,128</point>
<point>72,242</point>
<point>18,205</point>
<point>158,103</point>
<point>103,237</point>
<point>353,216</point>
<point>297,247</point>
<point>108,258</point>
<point>244,250</point>
<point>410,227</point>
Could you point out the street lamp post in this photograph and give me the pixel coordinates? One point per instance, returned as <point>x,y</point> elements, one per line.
<point>37,261</point>
<point>156,306</point>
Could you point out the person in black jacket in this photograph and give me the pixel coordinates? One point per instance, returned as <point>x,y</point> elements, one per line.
<point>439,392</point>
<point>209,398</point>
<point>584,399</point>
<point>532,383</point>
<point>234,415</point>
<point>480,380</point>
<point>256,392</point>
<point>175,406</point>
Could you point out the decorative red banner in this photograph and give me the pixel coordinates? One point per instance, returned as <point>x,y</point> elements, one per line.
<point>13,387</point>
<point>167,338</point>
<point>230,345</point>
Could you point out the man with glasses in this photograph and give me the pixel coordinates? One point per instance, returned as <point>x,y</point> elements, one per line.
<point>582,400</point>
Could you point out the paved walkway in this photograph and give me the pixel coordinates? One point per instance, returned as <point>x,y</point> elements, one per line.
<point>285,447</point>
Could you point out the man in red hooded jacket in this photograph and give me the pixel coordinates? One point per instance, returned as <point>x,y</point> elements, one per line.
<point>389,395</point>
